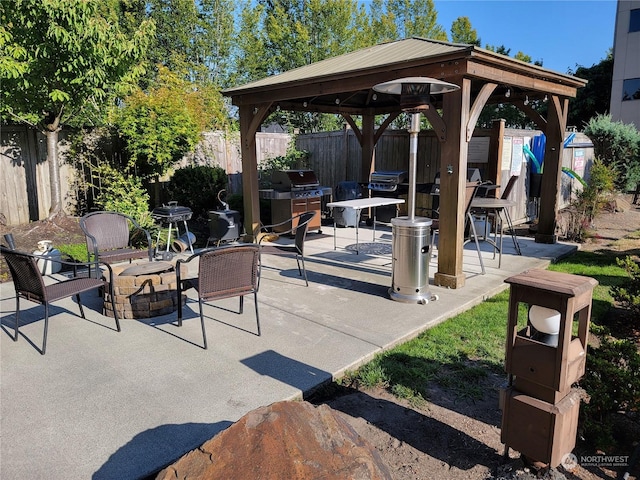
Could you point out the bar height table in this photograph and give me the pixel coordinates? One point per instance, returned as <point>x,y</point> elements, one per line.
<point>497,206</point>
<point>359,204</point>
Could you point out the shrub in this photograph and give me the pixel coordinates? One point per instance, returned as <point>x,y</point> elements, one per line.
<point>293,159</point>
<point>618,145</point>
<point>123,193</point>
<point>197,188</point>
<point>628,295</point>
<point>590,199</point>
<point>612,381</point>
<point>76,251</point>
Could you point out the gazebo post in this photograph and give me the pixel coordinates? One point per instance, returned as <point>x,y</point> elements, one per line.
<point>368,146</point>
<point>556,126</point>
<point>453,168</point>
<point>251,117</point>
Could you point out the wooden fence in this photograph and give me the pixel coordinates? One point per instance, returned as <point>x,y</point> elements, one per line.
<point>24,170</point>
<point>334,156</point>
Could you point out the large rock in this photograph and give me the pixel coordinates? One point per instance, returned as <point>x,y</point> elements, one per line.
<point>286,440</point>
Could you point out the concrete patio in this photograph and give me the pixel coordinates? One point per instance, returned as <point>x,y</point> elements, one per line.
<point>107,405</point>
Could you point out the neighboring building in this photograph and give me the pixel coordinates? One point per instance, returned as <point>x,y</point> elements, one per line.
<point>625,87</point>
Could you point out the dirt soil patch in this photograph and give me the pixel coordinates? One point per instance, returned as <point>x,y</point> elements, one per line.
<point>448,438</point>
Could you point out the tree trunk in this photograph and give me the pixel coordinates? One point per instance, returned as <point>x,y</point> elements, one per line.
<point>54,172</point>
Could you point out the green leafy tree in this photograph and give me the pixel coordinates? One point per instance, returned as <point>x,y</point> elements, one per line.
<point>382,23</point>
<point>416,18</point>
<point>463,32</point>
<point>176,29</point>
<point>58,59</point>
<point>501,49</point>
<point>164,123</point>
<point>595,97</point>
<point>194,38</point>
<point>285,34</point>
<point>251,47</point>
<point>217,38</point>
<point>303,32</point>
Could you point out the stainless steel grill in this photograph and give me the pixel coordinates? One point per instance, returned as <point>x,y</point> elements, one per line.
<point>290,184</point>
<point>293,192</point>
<point>388,182</point>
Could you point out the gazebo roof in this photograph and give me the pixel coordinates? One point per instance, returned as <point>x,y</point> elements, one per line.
<point>343,83</point>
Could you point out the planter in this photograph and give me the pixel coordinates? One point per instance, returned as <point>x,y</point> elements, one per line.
<point>535,185</point>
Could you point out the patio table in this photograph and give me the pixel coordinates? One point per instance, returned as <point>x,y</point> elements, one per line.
<point>359,204</point>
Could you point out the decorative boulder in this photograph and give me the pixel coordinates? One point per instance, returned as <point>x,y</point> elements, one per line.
<point>286,440</point>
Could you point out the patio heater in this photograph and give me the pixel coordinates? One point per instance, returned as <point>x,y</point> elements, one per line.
<point>411,234</point>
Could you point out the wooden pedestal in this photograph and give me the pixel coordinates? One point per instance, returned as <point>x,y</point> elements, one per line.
<point>542,431</point>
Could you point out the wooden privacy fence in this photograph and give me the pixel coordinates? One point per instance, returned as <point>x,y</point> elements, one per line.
<point>334,156</point>
<point>24,171</point>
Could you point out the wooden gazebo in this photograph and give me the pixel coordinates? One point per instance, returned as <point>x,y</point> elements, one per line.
<point>344,85</point>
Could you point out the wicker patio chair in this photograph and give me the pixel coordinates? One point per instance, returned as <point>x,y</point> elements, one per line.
<point>109,235</point>
<point>223,272</point>
<point>29,284</point>
<point>300,225</point>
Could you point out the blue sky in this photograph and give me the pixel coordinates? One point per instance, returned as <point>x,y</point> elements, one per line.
<point>560,33</point>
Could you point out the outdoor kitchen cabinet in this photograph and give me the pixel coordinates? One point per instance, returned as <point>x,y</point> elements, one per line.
<point>294,192</point>
<point>284,209</point>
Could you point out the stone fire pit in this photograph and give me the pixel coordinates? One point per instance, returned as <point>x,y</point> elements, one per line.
<point>143,290</point>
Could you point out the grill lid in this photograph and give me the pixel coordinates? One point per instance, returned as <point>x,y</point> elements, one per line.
<point>285,180</point>
<point>387,181</point>
<point>392,177</point>
<point>171,212</point>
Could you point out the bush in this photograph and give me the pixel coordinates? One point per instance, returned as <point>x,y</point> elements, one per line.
<point>76,251</point>
<point>612,381</point>
<point>628,295</point>
<point>197,188</point>
<point>590,200</point>
<point>294,159</point>
<point>618,145</point>
<point>124,194</point>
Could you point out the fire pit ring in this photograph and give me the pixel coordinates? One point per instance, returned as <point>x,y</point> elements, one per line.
<point>143,290</point>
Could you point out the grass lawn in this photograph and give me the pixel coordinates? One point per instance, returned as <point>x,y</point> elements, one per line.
<point>466,348</point>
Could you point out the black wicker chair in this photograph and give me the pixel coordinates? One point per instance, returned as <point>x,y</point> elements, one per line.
<point>109,235</point>
<point>223,272</point>
<point>298,224</point>
<point>29,284</point>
